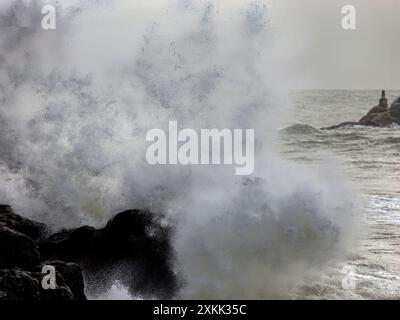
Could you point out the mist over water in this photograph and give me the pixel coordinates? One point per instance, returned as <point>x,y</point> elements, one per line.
<point>76,104</point>
<point>367,155</point>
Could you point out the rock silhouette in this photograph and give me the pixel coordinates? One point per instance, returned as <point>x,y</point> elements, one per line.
<point>379,116</point>
<point>21,263</point>
<point>133,248</point>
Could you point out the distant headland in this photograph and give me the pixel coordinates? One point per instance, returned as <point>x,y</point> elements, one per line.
<point>379,116</point>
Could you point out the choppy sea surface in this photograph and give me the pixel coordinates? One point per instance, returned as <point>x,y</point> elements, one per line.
<point>369,157</point>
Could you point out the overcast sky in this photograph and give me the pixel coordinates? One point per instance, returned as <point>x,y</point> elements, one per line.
<point>326,56</point>
<point>313,49</point>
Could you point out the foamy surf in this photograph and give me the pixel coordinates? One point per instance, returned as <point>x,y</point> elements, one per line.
<point>76,108</point>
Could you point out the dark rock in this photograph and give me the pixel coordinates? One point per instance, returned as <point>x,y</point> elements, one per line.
<point>134,248</point>
<point>5,295</point>
<point>20,284</point>
<point>70,244</point>
<point>32,229</point>
<point>62,292</point>
<point>135,223</point>
<point>17,250</point>
<point>71,275</point>
<point>394,111</point>
<point>342,125</point>
<point>20,263</point>
<point>377,109</point>
<point>382,119</point>
<point>27,285</point>
<point>379,116</point>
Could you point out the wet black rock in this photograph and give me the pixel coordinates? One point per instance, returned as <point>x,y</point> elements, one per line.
<point>18,284</point>
<point>21,263</point>
<point>5,295</point>
<point>341,125</point>
<point>133,248</point>
<point>17,249</point>
<point>382,120</point>
<point>32,229</point>
<point>69,277</point>
<point>394,110</point>
<point>379,116</point>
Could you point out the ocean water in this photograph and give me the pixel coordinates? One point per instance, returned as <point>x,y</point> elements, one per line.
<point>370,158</point>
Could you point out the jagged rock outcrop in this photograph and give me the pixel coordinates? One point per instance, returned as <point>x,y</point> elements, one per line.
<point>394,110</point>
<point>21,263</point>
<point>17,249</point>
<point>30,228</point>
<point>133,248</point>
<point>382,119</point>
<point>341,125</point>
<point>18,284</point>
<point>379,116</point>
<point>69,275</point>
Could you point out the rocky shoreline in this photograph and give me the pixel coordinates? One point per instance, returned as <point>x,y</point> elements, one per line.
<point>133,248</point>
<point>379,116</point>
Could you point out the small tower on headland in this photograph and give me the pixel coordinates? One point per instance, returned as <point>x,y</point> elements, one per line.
<point>383,102</point>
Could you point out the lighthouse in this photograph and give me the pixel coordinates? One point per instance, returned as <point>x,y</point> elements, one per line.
<point>383,102</point>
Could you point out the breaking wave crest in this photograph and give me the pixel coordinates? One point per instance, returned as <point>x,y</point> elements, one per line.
<point>76,104</point>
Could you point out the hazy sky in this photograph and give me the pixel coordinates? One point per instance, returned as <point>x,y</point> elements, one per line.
<point>313,49</point>
<point>320,54</point>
